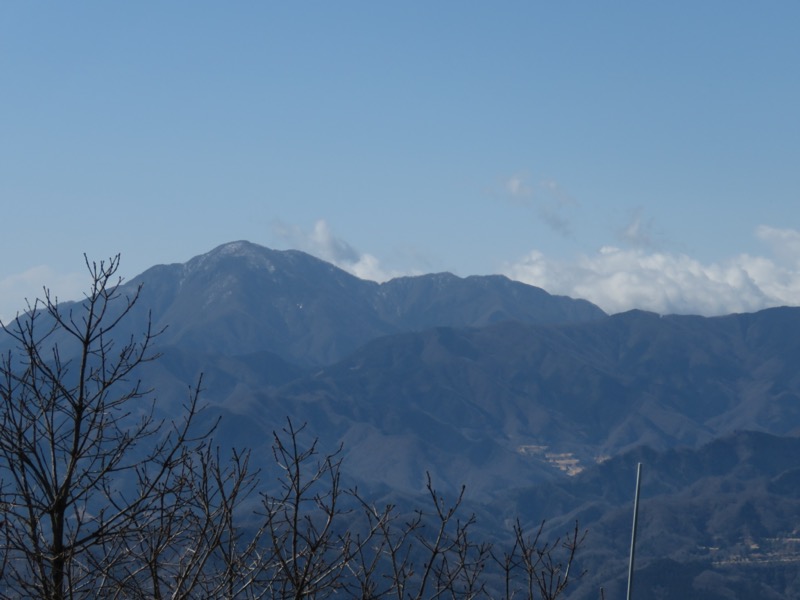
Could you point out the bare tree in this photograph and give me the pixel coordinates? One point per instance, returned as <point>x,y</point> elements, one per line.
<point>324,539</point>
<point>191,545</point>
<point>432,553</point>
<point>314,539</point>
<point>534,568</point>
<point>94,488</point>
<point>328,540</point>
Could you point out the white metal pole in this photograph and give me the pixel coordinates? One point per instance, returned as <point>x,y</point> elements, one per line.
<point>633,532</point>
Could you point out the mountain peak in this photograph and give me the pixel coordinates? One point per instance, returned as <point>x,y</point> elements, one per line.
<point>238,248</point>
<point>248,258</point>
<point>255,256</point>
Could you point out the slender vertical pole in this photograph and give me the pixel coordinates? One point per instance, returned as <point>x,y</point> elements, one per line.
<point>633,532</point>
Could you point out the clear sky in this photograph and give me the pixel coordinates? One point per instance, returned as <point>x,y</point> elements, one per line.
<point>637,154</point>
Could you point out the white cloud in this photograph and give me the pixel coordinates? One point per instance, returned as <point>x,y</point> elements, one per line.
<point>328,246</point>
<point>619,279</point>
<point>785,243</point>
<point>19,289</point>
<point>322,243</point>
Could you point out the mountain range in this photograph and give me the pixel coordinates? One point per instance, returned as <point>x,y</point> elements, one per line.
<point>541,405</point>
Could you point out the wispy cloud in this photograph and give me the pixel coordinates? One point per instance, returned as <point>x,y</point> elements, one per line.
<point>621,279</point>
<point>17,290</point>
<point>517,187</point>
<point>550,202</point>
<point>322,243</point>
<point>638,232</point>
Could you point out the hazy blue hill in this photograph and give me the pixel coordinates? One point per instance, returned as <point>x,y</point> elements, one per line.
<point>593,389</point>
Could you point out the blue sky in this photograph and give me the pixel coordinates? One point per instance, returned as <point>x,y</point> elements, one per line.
<point>637,154</point>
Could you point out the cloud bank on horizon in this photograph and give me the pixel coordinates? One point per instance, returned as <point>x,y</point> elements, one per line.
<point>620,279</point>
<point>640,274</point>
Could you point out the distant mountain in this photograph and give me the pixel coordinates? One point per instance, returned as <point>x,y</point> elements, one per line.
<point>242,298</point>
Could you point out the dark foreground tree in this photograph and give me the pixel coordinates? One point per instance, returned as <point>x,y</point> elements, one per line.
<point>99,497</point>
